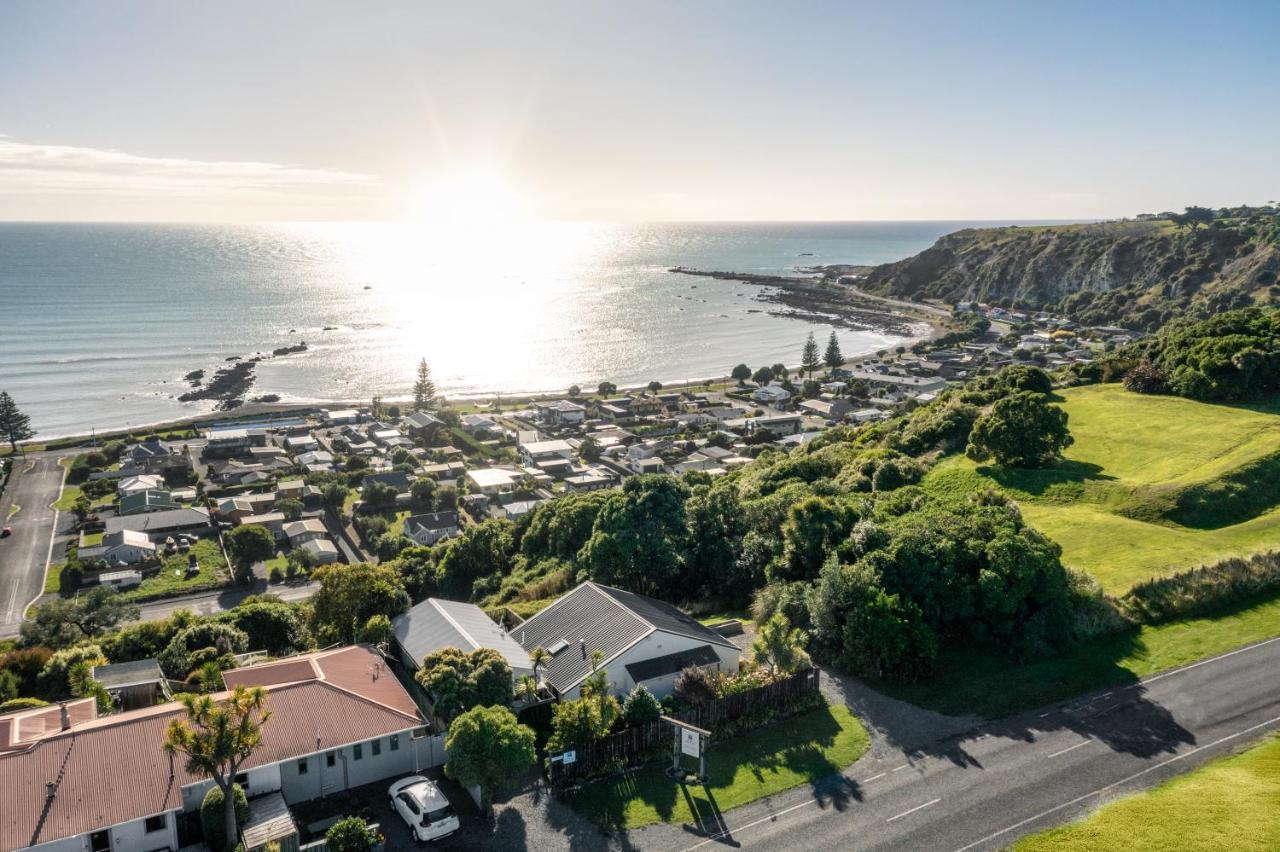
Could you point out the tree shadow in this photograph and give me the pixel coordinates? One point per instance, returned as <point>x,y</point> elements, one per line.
<point>976,696</point>
<point>1038,482</point>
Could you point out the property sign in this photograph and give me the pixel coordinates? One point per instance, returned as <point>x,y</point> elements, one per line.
<point>690,742</point>
<point>569,757</point>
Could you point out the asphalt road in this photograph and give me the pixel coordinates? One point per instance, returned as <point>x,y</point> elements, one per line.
<point>982,789</point>
<point>33,486</point>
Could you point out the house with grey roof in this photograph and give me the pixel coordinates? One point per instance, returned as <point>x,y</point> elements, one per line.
<point>436,624</point>
<point>643,641</point>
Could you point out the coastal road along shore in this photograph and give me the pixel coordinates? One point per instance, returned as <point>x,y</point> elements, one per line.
<point>986,787</point>
<point>33,487</point>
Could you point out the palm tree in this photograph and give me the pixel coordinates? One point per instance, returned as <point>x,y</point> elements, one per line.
<point>528,689</point>
<point>539,657</point>
<point>780,647</point>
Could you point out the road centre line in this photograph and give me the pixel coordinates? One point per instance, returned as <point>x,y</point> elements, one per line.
<point>913,810</point>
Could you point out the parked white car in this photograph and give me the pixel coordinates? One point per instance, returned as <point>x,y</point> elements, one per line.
<point>423,807</point>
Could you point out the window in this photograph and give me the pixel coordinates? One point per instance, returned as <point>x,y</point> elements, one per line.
<point>410,803</point>
<point>395,742</point>
<point>330,760</point>
<point>419,733</point>
<point>357,751</point>
<point>375,747</point>
<point>303,766</point>
<point>100,841</point>
<point>155,823</point>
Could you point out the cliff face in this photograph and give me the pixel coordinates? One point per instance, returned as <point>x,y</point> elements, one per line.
<point>1135,274</point>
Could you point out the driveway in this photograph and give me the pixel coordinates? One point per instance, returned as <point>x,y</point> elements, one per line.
<point>26,507</point>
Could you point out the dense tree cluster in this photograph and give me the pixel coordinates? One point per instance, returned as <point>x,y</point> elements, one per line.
<point>1230,356</point>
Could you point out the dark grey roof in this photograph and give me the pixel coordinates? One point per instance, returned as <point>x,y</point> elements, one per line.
<point>593,617</point>
<point>703,655</point>
<point>120,675</point>
<point>397,479</point>
<point>663,616</point>
<point>171,519</point>
<point>432,520</point>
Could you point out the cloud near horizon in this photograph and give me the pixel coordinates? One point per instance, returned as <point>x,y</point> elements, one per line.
<point>95,178</point>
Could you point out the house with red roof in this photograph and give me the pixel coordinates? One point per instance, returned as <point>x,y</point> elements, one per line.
<point>76,781</point>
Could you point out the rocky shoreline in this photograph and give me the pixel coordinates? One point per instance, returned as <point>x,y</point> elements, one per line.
<point>817,299</point>
<point>230,385</point>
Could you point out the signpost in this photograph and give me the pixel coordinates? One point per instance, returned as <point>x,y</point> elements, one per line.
<point>688,740</point>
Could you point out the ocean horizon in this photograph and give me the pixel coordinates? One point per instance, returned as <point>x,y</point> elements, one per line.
<point>103,321</point>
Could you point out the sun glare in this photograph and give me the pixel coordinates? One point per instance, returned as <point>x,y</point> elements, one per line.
<point>468,199</point>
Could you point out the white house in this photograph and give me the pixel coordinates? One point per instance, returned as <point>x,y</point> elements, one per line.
<point>534,452</point>
<point>771,395</point>
<point>492,481</point>
<point>309,529</point>
<point>127,547</point>
<point>561,412</point>
<point>144,482</point>
<point>644,641</point>
<point>428,528</point>
<point>340,719</point>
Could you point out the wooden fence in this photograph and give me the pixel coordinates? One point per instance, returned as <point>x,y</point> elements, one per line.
<point>652,740</point>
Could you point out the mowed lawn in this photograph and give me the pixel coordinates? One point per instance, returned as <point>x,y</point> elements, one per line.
<point>1228,804</point>
<point>758,763</point>
<point>1131,452</point>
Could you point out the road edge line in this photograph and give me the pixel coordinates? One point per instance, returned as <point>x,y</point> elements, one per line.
<point>53,534</point>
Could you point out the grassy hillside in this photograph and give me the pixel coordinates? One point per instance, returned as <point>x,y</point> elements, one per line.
<point>1229,804</point>
<point>1152,485</point>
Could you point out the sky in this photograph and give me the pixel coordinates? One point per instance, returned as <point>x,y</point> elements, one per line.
<point>253,111</point>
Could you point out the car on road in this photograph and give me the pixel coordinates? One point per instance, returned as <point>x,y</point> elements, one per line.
<point>423,807</point>
<point>6,532</point>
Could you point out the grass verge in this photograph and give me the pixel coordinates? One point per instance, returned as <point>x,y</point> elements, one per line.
<point>1228,804</point>
<point>993,686</point>
<point>801,750</point>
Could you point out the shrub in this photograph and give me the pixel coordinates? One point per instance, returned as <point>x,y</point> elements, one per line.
<point>696,686</point>
<point>276,575</point>
<point>15,704</point>
<point>211,816</point>
<point>641,707</point>
<point>352,834</point>
<point>1203,590</point>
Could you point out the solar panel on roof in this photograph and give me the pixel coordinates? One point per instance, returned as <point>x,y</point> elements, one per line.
<point>557,646</point>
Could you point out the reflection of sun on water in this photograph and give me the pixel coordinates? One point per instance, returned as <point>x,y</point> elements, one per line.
<point>472,281</point>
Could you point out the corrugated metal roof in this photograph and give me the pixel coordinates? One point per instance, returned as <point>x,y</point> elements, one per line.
<point>593,617</point>
<point>437,623</point>
<point>588,620</point>
<point>114,769</point>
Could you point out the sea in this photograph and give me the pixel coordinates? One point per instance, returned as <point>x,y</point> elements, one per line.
<point>100,322</point>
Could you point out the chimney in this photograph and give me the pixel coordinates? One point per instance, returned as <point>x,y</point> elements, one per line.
<point>582,643</point>
<point>50,789</point>
<point>66,717</point>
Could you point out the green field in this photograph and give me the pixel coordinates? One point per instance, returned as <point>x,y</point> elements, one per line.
<point>1151,486</point>
<point>1229,804</point>
<point>759,763</point>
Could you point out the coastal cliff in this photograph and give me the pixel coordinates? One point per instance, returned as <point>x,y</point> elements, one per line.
<point>1135,274</point>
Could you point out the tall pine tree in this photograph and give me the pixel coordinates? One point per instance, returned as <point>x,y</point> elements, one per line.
<point>809,359</point>
<point>424,390</point>
<point>834,357</point>
<point>14,425</point>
